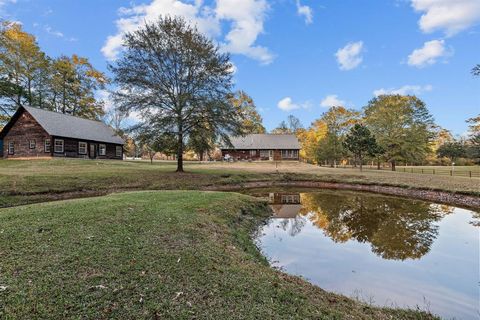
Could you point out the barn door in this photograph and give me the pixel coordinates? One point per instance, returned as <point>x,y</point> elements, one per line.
<point>93,151</point>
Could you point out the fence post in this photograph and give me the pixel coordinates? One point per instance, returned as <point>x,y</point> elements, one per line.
<point>422,171</point>
<point>470,173</point>
<point>451,172</point>
<point>433,171</point>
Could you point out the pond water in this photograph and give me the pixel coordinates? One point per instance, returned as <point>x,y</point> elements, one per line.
<point>383,250</point>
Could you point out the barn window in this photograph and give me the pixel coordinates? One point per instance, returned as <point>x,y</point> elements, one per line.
<point>118,151</point>
<point>58,148</point>
<point>253,153</point>
<point>264,153</point>
<point>82,148</point>
<point>47,145</point>
<point>31,144</point>
<point>102,149</point>
<point>11,147</point>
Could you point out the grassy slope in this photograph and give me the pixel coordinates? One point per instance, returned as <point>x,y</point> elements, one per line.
<point>171,254</point>
<point>41,180</point>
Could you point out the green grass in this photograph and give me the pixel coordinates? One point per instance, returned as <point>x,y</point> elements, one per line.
<point>23,182</point>
<point>170,254</point>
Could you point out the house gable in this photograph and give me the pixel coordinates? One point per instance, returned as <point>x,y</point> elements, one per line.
<point>26,134</point>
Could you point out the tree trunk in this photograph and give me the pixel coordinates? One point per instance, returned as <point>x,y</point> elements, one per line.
<point>393,165</point>
<point>361,162</point>
<point>180,150</point>
<point>201,156</point>
<point>378,164</point>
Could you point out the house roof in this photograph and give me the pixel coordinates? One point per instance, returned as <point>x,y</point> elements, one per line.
<point>264,141</point>
<point>63,125</point>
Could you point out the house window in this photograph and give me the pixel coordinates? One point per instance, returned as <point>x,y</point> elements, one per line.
<point>102,149</point>
<point>46,146</point>
<point>289,154</point>
<point>31,144</point>
<point>82,148</point>
<point>58,147</point>
<point>264,153</point>
<point>291,199</point>
<point>253,153</point>
<point>11,148</point>
<point>118,151</point>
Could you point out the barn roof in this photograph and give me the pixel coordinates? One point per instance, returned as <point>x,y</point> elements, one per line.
<point>63,125</point>
<point>264,141</point>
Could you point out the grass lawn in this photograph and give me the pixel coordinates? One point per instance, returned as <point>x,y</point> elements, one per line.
<point>154,254</point>
<point>42,180</point>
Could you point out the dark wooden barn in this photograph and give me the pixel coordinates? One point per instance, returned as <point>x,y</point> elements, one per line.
<point>38,133</point>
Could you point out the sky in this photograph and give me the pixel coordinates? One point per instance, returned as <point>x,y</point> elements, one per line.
<point>296,57</point>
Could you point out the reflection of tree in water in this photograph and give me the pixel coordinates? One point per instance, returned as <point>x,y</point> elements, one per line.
<point>293,225</point>
<point>476,219</point>
<point>396,228</point>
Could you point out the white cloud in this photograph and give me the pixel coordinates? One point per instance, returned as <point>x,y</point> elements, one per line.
<point>349,57</point>
<point>331,100</point>
<point>246,19</point>
<point>405,90</point>
<point>451,16</point>
<point>287,104</point>
<point>305,11</point>
<point>428,54</point>
<point>5,2</point>
<point>53,32</point>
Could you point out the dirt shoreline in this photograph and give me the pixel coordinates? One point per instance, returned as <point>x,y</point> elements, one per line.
<point>444,197</point>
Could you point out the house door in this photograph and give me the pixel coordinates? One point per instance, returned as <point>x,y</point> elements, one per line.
<point>92,151</point>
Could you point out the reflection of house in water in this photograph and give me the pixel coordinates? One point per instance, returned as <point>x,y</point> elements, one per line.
<point>285,205</point>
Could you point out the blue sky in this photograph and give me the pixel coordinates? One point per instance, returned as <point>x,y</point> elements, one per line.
<point>297,56</point>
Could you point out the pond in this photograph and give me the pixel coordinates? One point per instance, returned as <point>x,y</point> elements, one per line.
<point>383,250</point>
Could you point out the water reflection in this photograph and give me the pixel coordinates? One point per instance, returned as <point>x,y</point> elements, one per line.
<point>395,228</point>
<point>392,250</point>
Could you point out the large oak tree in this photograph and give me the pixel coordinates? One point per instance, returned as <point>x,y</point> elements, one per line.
<point>402,126</point>
<point>177,80</point>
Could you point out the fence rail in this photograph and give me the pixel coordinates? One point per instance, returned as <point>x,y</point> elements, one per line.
<point>436,171</point>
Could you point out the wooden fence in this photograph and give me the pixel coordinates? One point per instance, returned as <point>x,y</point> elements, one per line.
<point>446,171</point>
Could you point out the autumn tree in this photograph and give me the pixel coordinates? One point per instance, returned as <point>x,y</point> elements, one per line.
<point>474,125</point>
<point>473,148</point>
<point>452,150</point>
<point>292,125</point>
<point>29,77</point>
<point>402,126</point>
<point>74,83</point>
<point>360,142</point>
<point>310,139</point>
<point>177,79</point>
<point>338,120</point>
<point>282,128</point>
<point>21,64</point>
<point>150,143</point>
<point>246,110</point>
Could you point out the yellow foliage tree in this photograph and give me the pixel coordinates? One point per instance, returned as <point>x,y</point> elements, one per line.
<point>310,138</point>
